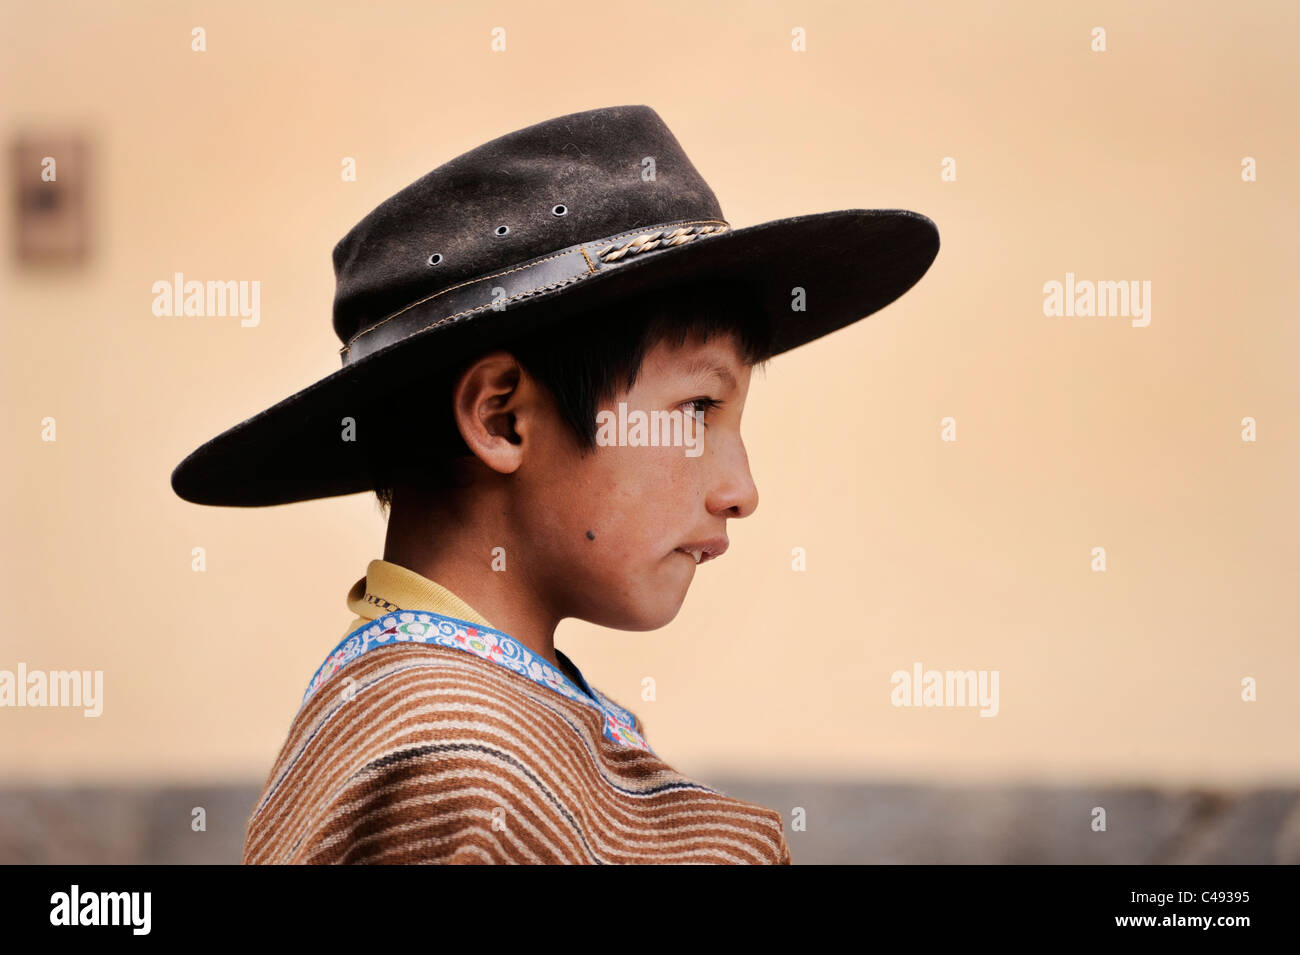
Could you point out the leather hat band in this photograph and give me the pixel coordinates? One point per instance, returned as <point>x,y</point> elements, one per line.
<point>542,274</point>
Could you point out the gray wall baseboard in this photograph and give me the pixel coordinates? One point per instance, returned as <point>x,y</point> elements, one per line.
<point>846,823</point>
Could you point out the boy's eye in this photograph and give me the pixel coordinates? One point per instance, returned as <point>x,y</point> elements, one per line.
<point>702,406</point>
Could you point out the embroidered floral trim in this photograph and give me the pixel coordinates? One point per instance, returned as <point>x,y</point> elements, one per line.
<point>424,626</point>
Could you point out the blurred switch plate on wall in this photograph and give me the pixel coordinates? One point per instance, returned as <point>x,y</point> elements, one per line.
<point>51,176</point>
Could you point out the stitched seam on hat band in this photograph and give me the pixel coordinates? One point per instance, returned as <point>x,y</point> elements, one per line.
<point>518,295</point>
<point>474,281</point>
<point>581,247</point>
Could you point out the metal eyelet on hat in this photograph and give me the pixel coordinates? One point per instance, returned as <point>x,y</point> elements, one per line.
<point>560,210</point>
<point>435,258</point>
<point>502,229</point>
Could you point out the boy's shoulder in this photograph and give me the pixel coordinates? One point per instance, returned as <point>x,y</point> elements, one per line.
<point>408,722</point>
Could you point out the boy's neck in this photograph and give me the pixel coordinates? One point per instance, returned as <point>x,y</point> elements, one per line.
<point>457,555</point>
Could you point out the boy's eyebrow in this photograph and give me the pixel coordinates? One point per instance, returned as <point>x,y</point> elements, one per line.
<point>711,367</point>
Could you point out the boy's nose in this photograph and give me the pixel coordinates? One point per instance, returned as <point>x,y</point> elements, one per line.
<point>735,494</point>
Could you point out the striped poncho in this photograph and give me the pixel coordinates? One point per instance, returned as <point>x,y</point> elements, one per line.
<point>426,738</point>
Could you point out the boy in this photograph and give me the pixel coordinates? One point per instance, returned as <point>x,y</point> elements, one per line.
<point>498,316</point>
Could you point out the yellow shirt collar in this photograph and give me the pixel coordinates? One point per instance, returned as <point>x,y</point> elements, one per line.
<point>387,587</point>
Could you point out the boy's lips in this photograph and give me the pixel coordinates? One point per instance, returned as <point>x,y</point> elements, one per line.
<point>703,550</point>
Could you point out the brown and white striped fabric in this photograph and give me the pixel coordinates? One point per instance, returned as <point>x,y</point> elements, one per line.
<point>419,753</point>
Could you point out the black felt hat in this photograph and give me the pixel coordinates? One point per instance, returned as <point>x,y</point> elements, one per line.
<point>563,217</point>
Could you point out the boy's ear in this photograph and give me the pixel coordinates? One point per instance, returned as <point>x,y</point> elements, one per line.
<point>494,402</point>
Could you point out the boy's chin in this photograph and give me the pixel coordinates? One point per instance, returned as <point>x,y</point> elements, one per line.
<point>648,613</point>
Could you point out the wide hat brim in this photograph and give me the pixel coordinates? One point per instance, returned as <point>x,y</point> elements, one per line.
<point>850,263</point>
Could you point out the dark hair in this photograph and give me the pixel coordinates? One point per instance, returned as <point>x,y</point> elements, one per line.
<point>585,362</point>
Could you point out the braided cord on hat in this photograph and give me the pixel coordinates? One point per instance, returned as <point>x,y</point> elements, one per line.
<point>650,240</point>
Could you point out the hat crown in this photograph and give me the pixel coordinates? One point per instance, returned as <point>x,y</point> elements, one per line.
<point>568,180</point>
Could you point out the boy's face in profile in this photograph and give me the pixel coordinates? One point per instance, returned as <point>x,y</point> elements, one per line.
<point>640,504</point>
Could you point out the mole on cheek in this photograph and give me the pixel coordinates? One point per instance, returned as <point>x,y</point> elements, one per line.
<point>590,536</point>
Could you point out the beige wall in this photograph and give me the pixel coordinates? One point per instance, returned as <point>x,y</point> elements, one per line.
<point>1072,433</point>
